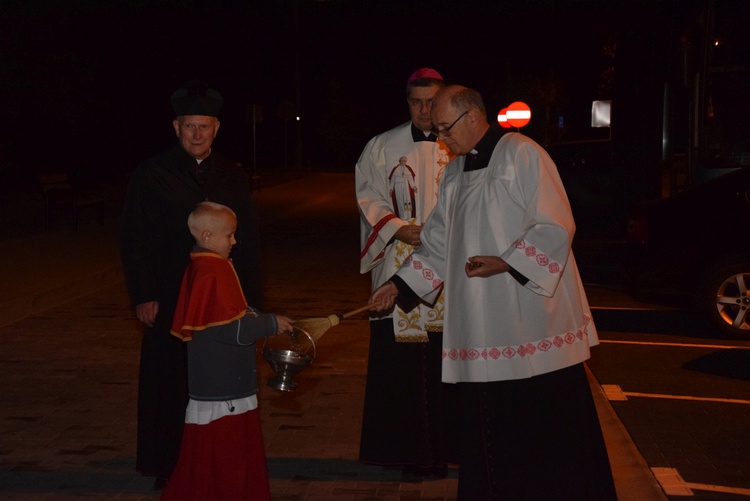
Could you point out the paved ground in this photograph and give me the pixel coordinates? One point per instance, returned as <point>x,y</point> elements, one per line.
<point>69,359</point>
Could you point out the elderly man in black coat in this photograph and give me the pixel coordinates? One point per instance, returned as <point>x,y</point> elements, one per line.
<point>155,248</point>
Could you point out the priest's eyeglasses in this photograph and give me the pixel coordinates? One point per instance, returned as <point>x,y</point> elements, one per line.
<point>447,131</point>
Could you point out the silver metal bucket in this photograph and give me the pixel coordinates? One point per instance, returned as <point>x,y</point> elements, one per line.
<point>288,354</point>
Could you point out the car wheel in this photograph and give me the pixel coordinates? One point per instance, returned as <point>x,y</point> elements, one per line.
<point>726,298</point>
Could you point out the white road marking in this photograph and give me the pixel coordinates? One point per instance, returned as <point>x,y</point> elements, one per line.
<point>630,308</point>
<point>669,478</point>
<point>678,345</point>
<point>674,485</point>
<point>614,392</point>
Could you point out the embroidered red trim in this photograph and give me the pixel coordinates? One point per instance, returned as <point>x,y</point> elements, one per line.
<point>374,235</point>
<point>524,350</point>
<point>542,260</point>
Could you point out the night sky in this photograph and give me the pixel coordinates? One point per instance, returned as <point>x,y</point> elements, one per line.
<point>86,83</point>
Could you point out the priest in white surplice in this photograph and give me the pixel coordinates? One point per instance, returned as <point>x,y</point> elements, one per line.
<point>397,179</point>
<point>517,323</point>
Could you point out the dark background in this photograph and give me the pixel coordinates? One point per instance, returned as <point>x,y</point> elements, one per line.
<point>86,83</point>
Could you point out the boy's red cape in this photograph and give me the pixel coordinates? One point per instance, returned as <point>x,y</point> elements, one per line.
<point>210,295</point>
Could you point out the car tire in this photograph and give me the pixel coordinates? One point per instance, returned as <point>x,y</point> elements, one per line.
<point>725,297</point>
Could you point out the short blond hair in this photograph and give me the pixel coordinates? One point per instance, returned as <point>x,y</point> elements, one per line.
<point>207,216</point>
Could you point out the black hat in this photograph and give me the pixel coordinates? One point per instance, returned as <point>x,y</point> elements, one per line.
<point>195,98</point>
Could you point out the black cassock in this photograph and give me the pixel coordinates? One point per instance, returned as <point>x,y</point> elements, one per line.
<point>155,246</point>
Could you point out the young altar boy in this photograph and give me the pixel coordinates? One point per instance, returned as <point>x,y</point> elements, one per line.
<point>222,455</point>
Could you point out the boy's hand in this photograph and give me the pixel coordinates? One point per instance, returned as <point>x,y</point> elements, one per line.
<point>284,323</point>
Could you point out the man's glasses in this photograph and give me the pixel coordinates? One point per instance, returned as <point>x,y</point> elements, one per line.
<point>447,131</point>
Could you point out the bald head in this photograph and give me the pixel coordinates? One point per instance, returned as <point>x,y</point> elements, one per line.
<point>459,115</point>
<point>208,216</point>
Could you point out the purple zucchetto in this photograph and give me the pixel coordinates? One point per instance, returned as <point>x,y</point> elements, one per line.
<point>424,73</point>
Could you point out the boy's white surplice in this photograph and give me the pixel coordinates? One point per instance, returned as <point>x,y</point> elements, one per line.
<point>495,328</point>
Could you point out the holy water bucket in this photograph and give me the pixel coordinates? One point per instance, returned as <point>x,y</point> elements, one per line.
<point>288,353</point>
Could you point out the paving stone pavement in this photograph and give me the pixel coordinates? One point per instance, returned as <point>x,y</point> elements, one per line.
<point>69,364</point>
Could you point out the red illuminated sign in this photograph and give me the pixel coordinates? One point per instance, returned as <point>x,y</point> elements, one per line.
<point>518,114</point>
<point>502,119</point>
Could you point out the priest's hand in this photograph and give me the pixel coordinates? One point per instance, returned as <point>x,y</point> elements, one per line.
<point>384,297</point>
<point>485,266</point>
<point>409,234</point>
<point>146,312</point>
